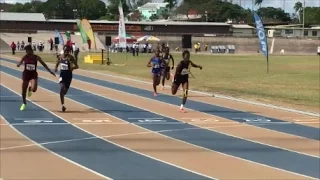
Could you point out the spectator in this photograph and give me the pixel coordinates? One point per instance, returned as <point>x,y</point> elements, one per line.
<point>13,47</point>
<point>51,44</point>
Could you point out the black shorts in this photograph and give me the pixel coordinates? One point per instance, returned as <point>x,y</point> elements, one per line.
<point>180,80</point>
<point>167,69</point>
<point>65,78</point>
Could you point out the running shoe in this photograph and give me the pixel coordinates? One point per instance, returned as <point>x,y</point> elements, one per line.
<point>29,92</point>
<point>155,94</point>
<point>64,109</point>
<point>23,106</point>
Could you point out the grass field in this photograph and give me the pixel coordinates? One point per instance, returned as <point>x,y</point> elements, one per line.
<point>293,81</point>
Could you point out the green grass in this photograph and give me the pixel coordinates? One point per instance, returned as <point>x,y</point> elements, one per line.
<point>293,81</point>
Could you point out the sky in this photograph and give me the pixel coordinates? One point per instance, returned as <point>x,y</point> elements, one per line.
<point>284,4</point>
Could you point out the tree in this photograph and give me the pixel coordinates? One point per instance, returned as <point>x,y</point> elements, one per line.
<point>274,14</point>
<point>92,9</point>
<point>165,14</point>
<point>154,17</point>
<point>312,15</point>
<point>135,16</point>
<point>171,4</point>
<point>258,2</point>
<point>112,9</point>
<point>298,8</point>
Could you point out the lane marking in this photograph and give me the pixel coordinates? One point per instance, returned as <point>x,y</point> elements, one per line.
<point>264,165</point>
<point>201,93</point>
<point>109,136</point>
<point>109,141</point>
<point>42,147</point>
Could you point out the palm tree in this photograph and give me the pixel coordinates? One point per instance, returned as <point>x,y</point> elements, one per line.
<point>298,8</point>
<point>258,2</point>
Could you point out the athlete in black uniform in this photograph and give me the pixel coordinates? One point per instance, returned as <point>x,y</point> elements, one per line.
<point>182,77</point>
<point>66,62</point>
<point>166,66</point>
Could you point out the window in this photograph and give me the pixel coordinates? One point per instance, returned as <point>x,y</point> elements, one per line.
<point>288,31</point>
<point>314,33</point>
<point>305,33</point>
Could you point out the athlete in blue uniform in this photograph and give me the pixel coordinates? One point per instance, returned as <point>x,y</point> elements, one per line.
<point>155,62</point>
<point>66,62</point>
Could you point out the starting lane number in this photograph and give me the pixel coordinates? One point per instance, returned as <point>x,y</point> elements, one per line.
<point>253,120</point>
<point>37,121</point>
<point>149,120</point>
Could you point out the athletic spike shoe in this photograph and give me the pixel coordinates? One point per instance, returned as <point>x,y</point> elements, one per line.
<point>155,94</point>
<point>64,109</point>
<point>182,110</point>
<point>23,107</point>
<point>29,92</point>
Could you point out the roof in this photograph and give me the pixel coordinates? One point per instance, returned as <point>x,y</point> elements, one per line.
<point>242,26</point>
<point>153,5</point>
<point>11,16</point>
<point>145,23</point>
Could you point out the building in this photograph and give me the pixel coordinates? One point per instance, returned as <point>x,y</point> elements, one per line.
<point>242,30</point>
<point>150,9</point>
<point>293,31</point>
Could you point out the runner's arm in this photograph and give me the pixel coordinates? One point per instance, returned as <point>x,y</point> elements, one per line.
<point>74,62</point>
<point>194,65</point>
<point>149,63</point>
<point>45,65</point>
<point>20,62</point>
<point>57,64</point>
<point>171,57</point>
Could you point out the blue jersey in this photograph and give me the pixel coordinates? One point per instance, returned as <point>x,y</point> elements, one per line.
<point>156,69</point>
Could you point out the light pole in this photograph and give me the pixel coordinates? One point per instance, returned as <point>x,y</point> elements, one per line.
<point>303,12</point>
<point>74,13</point>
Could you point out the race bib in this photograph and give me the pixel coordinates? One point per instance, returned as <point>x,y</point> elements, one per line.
<point>156,66</point>
<point>30,67</point>
<point>184,72</point>
<point>64,67</point>
<point>166,60</point>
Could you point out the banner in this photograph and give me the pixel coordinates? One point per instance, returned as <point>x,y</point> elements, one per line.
<point>88,29</point>
<point>60,37</point>
<point>82,32</point>
<point>122,29</point>
<point>261,35</point>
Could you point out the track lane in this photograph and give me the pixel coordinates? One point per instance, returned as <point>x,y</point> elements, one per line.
<point>44,83</point>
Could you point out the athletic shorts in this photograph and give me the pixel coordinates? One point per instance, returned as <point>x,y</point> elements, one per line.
<point>65,78</point>
<point>167,69</point>
<point>178,80</point>
<point>29,75</point>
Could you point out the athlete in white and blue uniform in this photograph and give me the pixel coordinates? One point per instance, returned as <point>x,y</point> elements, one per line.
<point>66,62</point>
<point>156,62</point>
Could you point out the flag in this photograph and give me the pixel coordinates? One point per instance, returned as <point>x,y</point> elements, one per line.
<point>261,35</point>
<point>88,29</point>
<point>68,35</point>
<point>60,37</point>
<point>82,32</point>
<point>122,28</point>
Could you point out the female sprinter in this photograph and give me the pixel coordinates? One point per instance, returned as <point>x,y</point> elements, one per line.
<point>155,62</point>
<point>66,62</point>
<point>182,77</point>
<point>166,69</point>
<point>30,74</point>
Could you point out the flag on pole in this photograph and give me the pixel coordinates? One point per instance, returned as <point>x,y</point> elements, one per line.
<point>88,29</point>
<point>262,36</point>
<point>82,32</point>
<point>122,28</point>
<point>61,41</point>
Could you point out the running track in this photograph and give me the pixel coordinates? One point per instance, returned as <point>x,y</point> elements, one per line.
<point>115,129</point>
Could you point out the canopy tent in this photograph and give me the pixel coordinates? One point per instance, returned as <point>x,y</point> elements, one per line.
<point>130,39</point>
<point>148,39</point>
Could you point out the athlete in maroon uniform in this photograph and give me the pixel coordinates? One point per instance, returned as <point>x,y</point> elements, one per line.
<point>30,74</point>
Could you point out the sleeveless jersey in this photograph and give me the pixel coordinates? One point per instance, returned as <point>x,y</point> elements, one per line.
<point>184,72</point>
<point>65,65</point>
<point>156,65</point>
<point>166,59</point>
<point>30,63</point>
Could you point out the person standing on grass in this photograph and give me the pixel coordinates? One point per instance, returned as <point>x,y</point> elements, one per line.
<point>29,74</point>
<point>182,77</point>
<point>66,62</point>
<point>155,62</point>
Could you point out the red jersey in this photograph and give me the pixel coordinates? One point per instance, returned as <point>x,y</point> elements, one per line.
<point>30,63</point>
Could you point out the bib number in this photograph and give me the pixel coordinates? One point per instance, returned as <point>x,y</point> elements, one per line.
<point>184,72</point>
<point>30,67</point>
<point>64,67</point>
<point>156,66</point>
